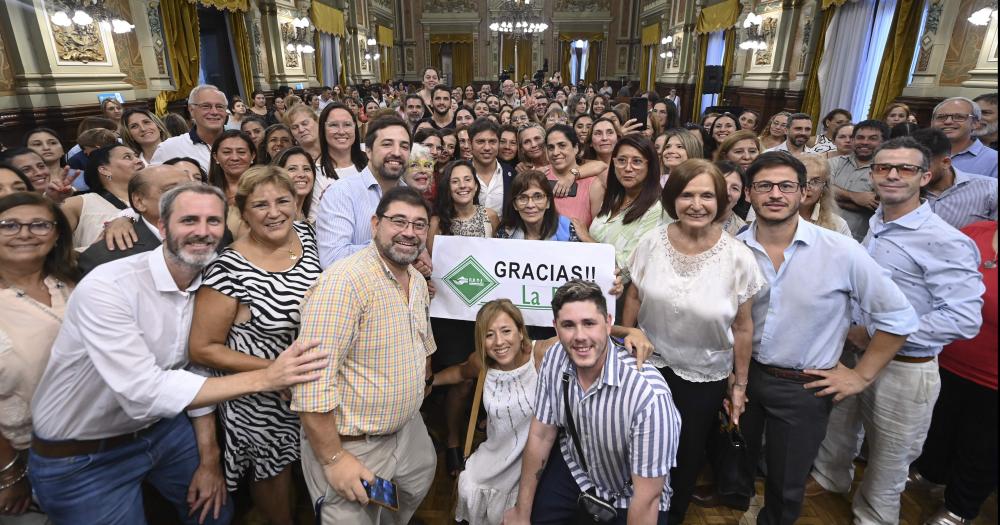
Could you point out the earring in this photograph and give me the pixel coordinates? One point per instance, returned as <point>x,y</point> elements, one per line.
<point>108,177</point>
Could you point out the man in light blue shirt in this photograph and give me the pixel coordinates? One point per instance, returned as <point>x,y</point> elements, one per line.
<point>800,324</point>
<point>958,118</point>
<point>937,268</point>
<point>343,223</point>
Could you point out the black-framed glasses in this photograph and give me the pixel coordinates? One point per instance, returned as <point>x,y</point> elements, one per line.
<point>401,222</point>
<point>904,170</point>
<point>784,187</point>
<point>10,228</point>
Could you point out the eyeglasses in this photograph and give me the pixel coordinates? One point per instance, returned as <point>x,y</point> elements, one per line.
<point>537,198</point>
<point>783,187</point>
<point>209,107</point>
<point>904,170</point>
<point>955,117</point>
<point>817,184</point>
<point>401,222</point>
<point>10,228</point>
<point>622,162</point>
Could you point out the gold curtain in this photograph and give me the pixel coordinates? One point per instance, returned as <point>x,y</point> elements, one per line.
<point>719,16</point>
<point>383,35</point>
<point>327,19</point>
<point>728,57</point>
<point>461,63</point>
<point>699,82</point>
<point>181,32</point>
<point>832,3</point>
<point>436,56</point>
<point>241,46</point>
<point>224,5</point>
<point>524,66</point>
<point>343,61</point>
<point>566,52</point>
<point>318,57</point>
<point>898,55</point>
<point>593,54</point>
<point>812,98</point>
<point>451,38</point>
<point>507,55</point>
<point>569,36</point>
<point>385,63</point>
<point>648,69</point>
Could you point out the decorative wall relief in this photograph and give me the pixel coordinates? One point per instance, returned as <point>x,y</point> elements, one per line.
<point>769,28</point>
<point>583,6</point>
<point>156,35</point>
<point>450,6</point>
<point>79,44</point>
<point>622,59</point>
<point>127,49</point>
<point>930,29</point>
<point>675,61</point>
<point>6,71</point>
<point>287,34</point>
<point>410,62</point>
<point>963,49</point>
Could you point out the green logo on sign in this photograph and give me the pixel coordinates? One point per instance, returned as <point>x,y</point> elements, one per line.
<point>470,281</point>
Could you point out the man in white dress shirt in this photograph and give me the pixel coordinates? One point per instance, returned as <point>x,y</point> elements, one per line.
<point>108,409</point>
<point>208,107</point>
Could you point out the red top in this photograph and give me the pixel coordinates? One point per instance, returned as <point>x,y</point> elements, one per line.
<point>976,359</point>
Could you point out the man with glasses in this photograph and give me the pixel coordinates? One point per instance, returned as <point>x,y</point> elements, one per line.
<point>361,418</point>
<point>958,118</point>
<point>987,132</point>
<point>937,269</point>
<point>346,207</point>
<point>208,107</point>
<point>851,180</point>
<point>800,324</point>
<point>494,177</point>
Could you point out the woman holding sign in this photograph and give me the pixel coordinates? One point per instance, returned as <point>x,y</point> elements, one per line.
<point>457,212</point>
<point>692,293</point>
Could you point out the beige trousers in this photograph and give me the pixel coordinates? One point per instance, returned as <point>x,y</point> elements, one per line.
<point>407,458</point>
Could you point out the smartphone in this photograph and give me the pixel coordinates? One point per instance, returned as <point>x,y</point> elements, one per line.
<point>638,109</point>
<point>572,189</point>
<point>382,493</point>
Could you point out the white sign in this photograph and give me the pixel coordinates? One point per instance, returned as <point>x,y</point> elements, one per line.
<point>470,271</point>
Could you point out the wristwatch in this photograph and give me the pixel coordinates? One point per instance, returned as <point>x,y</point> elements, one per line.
<point>576,173</point>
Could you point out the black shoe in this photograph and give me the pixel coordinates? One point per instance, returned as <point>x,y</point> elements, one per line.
<point>705,496</point>
<point>454,461</point>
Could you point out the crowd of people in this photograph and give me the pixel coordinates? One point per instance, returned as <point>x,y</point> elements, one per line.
<point>241,299</point>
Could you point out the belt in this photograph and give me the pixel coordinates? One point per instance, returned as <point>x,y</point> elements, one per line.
<point>791,374</point>
<point>346,439</point>
<point>908,359</point>
<point>81,447</point>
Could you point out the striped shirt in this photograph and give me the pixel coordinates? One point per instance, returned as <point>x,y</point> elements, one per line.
<point>971,198</point>
<point>626,420</point>
<point>378,343</point>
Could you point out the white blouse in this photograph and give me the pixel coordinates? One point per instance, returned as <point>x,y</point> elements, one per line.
<point>689,302</point>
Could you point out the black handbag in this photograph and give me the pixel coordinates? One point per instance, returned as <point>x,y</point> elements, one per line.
<point>728,454</point>
<point>591,505</point>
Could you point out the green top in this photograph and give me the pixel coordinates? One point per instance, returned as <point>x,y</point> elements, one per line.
<point>625,237</point>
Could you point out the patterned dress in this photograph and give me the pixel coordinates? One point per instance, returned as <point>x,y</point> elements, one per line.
<point>261,433</point>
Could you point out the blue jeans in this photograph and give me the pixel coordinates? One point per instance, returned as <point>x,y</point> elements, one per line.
<point>106,487</point>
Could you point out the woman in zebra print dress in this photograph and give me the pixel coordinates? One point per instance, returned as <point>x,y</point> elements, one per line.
<point>246,313</point>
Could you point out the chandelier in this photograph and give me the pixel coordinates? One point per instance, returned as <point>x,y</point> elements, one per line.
<point>982,17</point>
<point>518,19</point>
<point>754,39</point>
<point>86,12</point>
<point>298,39</point>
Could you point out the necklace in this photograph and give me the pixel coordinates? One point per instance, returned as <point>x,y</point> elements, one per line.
<point>291,253</point>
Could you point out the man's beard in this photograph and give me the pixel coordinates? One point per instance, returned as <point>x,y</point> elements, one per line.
<point>390,252</point>
<point>174,249</point>
<point>987,129</point>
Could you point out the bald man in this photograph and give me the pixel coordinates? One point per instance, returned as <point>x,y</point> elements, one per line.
<point>144,192</point>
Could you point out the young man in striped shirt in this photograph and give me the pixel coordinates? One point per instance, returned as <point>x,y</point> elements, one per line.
<point>624,417</point>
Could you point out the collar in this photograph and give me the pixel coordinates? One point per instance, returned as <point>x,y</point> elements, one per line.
<point>368,178</point>
<point>152,227</point>
<point>911,221</point>
<point>162,280</point>
<point>974,149</point>
<point>610,372</point>
<point>193,135</point>
<point>853,160</point>
<point>805,233</point>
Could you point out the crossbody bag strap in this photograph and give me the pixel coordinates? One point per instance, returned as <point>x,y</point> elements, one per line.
<point>570,425</point>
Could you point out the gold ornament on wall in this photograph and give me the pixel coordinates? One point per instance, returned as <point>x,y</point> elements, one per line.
<point>287,35</point>
<point>79,44</point>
